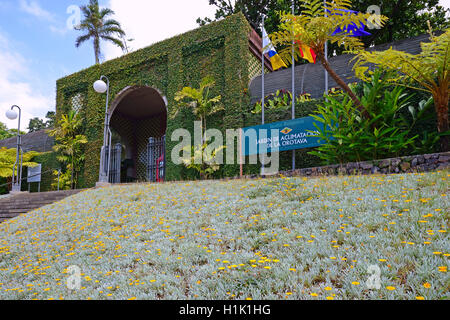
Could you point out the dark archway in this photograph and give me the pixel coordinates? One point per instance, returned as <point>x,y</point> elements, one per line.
<point>137,114</point>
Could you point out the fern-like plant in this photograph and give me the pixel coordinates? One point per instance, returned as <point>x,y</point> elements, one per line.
<point>315,27</point>
<point>427,71</point>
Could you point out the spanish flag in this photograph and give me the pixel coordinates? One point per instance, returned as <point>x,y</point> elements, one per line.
<point>269,49</point>
<point>307,53</point>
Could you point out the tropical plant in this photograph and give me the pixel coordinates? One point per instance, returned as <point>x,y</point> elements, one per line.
<point>315,27</point>
<point>8,159</point>
<point>65,179</point>
<point>5,133</point>
<point>281,100</point>
<point>349,136</point>
<point>204,161</point>
<point>199,101</point>
<point>428,71</point>
<point>97,27</point>
<point>69,143</point>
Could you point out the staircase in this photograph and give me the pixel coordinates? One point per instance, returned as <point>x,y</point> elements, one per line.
<point>14,206</point>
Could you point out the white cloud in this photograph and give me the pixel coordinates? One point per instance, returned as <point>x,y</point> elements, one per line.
<point>32,7</point>
<point>148,22</point>
<point>18,92</point>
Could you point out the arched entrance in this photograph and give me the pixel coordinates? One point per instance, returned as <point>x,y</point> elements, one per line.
<point>138,123</point>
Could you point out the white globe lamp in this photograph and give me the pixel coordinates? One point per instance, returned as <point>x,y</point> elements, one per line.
<point>11,115</point>
<point>100,86</point>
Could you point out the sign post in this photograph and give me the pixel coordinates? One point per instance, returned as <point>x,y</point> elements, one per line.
<point>34,176</point>
<point>292,135</point>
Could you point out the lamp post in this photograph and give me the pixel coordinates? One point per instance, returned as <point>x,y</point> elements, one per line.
<point>17,178</point>
<point>100,86</point>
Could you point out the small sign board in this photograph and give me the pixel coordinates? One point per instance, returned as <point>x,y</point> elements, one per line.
<point>280,136</point>
<point>34,174</point>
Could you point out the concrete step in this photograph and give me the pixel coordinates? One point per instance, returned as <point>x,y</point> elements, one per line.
<point>14,206</point>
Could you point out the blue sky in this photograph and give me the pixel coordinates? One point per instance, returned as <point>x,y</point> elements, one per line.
<point>37,47</point>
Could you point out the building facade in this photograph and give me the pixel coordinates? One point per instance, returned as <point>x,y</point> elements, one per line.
<point>142,89</point>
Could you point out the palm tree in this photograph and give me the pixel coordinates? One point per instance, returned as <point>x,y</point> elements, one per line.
<point>98,27</point>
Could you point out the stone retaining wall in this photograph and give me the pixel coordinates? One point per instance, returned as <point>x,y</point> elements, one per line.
<point>419,163</point>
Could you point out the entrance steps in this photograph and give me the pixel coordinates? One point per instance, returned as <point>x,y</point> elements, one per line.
<point>15,205</point>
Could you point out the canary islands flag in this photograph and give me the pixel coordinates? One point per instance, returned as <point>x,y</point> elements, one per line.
<point>307,53</point>
<point>269,49</point>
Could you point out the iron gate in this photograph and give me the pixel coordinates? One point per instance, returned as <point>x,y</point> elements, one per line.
<point>115,164</point>
<point>156,159</point>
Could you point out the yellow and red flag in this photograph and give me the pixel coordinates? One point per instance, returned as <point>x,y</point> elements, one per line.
<point>307,53</point>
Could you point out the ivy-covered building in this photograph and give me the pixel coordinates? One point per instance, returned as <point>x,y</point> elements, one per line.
<point>142,89</point>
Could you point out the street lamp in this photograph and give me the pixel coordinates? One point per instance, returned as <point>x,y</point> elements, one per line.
<point>17,178</point>
<point>100,86</point>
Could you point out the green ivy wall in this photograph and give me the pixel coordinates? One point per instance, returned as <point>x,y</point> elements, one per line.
<point>219,49</point>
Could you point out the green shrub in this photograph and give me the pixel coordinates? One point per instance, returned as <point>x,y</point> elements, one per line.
<point>350,135</point>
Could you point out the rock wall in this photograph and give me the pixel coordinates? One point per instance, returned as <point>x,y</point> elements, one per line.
<point>419,163</point>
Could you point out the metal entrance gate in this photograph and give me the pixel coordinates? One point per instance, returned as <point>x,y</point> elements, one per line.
<point>115,164</point>
<point>156,159</point>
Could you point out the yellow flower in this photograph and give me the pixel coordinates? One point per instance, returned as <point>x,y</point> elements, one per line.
<point>390,288</point>
<point>356,283</point>
<point>420,298</point>
<point>427,285</point>
<point>314,294</point>
<point>330,298</point>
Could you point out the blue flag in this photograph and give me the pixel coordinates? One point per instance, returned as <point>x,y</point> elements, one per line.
<point>352,30</point>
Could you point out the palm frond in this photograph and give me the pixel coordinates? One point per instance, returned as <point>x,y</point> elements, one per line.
<point>82,39</point>
<point>116,41</point>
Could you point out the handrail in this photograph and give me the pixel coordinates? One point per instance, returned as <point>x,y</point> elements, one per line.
<point>38,174</point>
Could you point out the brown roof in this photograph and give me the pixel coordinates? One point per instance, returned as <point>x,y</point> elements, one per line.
<point>38,141</point>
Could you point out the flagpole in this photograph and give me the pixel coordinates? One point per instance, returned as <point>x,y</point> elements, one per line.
<point>263,94</point>
<point>293,82</point>
<point>262,76</point>
<point>326,51</point>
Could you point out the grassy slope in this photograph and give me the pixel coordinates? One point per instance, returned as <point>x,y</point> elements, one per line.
<point>268,239</point>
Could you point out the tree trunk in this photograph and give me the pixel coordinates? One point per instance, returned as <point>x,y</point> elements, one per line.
<point>97,50</point>
<point>441,100</point>
<point>342,84</point>
<point>71,181</point>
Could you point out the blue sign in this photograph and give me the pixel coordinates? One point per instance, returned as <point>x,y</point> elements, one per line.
<point>280,136</point>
